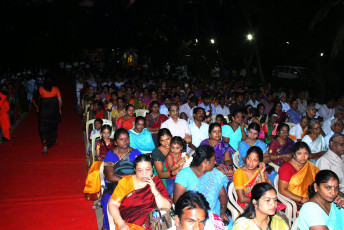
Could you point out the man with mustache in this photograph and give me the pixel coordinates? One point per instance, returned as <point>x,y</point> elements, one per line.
<point>199,130</point>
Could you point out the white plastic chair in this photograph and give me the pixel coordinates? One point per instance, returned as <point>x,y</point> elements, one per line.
<point>290,124</point>
<point>101,175</point>
<point>87,141</point>
<point>295,225</point>
<point>236,159</point>
<point>87,107</point>
<point>227,118</point>
<point>291,207</point>
<point>276,167</point>
<point>232,204</point>
<point>93,144</point>
<point>141,112</point>
<point>111,221</point>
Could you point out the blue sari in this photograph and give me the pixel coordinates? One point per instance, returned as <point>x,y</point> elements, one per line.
<point>142,141</point>
<point>336,218</point>
<point>210,185</point>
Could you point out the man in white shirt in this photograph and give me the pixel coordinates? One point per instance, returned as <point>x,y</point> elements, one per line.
<point>177,127</point>
<point>327,110</point>
<point>326,127</point>
<point>199,130</point>
<point>163,108</point>
<point>336,127</point>
<point>189,106</point>
<point>207,105</point>
<point>253,100</point>
<point>221,108</point>
<point>332,160</point>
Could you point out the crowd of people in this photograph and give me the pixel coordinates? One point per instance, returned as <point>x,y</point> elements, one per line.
<point>17,89</point>
<point>183,149</point>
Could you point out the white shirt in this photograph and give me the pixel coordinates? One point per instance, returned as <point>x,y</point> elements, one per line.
<point>325,112</point>
<point>333,162</point>
<point>296,130</point>
<point>285,106</point>
<point>327,139</point>
<point>185,108</point>
<point>207,108</point>
<point>326,127</point>
<point>254,104</point>
<point>198,134</point>
<point>163,110</point>
<point>316,146</point>
<point>302,106</point>
<point>177,129</point>
<point>224,111</point>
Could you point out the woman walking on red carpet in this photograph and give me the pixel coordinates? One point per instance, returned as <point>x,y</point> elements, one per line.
<point>49,113</point>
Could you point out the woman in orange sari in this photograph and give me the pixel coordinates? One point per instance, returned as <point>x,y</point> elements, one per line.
<point>137,195</point>
<point>297,174</point>
<point>247,176</point>
<point>128,120</point>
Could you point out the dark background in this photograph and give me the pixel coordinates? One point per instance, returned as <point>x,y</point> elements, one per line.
<point>46,32</point>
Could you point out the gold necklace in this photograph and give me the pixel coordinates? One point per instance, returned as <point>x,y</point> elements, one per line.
<point>323,207</point>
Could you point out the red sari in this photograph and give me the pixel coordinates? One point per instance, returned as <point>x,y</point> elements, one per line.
<point>126,124</point>
<point>137,204</point>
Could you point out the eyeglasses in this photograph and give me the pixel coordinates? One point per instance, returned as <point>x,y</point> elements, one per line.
<point>317,128</point>
<point>341,144</point>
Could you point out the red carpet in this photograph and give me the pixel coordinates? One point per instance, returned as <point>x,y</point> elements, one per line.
<point>45,192</point>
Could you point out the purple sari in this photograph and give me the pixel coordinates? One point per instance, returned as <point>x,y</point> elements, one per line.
<point>220,150</point>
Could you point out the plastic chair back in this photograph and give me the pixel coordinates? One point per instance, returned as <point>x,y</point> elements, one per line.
<point>101,175</point>
<point>233,197</point>
<point>93,144</point>
<point>236,159</point>
<point>291,207</point>
<point>141,112</point>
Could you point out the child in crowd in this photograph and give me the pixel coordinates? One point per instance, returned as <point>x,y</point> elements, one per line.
<point>174,161</point>
<point>220,119</point>
<point>98,111</point>
<point>97,126</point>
<point>105,144</point>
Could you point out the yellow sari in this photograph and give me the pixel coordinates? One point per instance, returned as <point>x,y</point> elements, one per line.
<point>299,182</point>
<point>277,223</point>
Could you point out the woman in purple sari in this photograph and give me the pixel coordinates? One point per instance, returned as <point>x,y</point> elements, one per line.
<point>223,151</point>
<point>280,149</point>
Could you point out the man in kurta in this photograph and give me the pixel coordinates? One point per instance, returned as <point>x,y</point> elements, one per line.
<point>4,117</point>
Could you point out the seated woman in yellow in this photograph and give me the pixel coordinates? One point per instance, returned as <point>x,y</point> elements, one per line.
<point>137,195</point>
<point>247,176</point>
<point>261,212</point>
<point>297,174</point>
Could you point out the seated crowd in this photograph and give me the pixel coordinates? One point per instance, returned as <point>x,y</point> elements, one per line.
<point>197,138</point>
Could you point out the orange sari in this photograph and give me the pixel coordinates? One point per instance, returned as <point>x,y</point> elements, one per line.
<point>241,181</point>
<point>300,181</point>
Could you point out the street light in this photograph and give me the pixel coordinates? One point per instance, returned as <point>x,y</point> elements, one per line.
<point>249,37</point>
<point>212,41</point>
<point>321,54</point>
<point>196,40</point>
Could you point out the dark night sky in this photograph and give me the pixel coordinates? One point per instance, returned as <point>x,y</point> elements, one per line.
<point>53,29</point>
